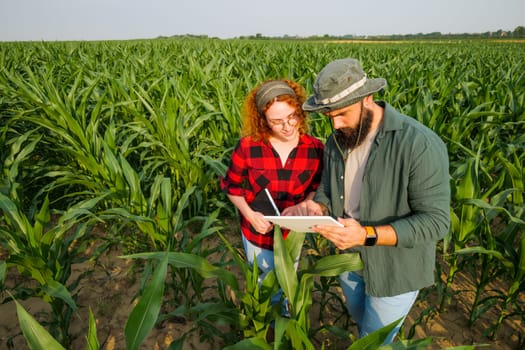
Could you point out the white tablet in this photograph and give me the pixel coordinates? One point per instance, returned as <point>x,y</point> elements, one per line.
<point>302,223</point>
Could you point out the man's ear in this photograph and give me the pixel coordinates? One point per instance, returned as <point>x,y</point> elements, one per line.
<point>368,100</point>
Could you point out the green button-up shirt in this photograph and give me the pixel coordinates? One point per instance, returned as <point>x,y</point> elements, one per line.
<point>405,184</point>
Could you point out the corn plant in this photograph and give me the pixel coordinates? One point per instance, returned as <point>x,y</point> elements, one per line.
<point>298,288</point>
<point>294,332</point>
<point>43,247</point>
<point>466,218</point>
<point>38,338</point>
<point>256,310</point>
<point>36,335</point>
<point>161,218</point>
<point>145,314</point>
<point>326,288</point>
<point>502,257</point>
<point>45,251</point>
<point>141,126</point>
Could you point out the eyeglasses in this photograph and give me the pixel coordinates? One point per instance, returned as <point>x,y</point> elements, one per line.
<point>292,120</point>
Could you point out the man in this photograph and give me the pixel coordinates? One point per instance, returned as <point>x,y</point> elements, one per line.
<point>386,179</point>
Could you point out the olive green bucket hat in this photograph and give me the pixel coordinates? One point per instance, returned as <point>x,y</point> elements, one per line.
<point>339,84</point>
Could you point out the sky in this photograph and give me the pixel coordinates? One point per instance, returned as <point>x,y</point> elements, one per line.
<point>51,20</point>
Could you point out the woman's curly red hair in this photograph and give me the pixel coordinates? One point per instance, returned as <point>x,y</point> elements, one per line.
<point>255,124</point>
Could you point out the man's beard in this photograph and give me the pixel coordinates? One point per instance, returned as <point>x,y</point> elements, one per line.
<point>350,138</point>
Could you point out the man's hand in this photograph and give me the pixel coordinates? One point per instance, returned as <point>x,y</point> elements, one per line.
<point>305,208</point>
<point>349,236</point>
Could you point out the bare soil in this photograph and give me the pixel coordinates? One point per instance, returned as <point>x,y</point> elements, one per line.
<point>110,290</point>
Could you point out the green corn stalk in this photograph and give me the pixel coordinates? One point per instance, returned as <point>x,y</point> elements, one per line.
<point>46,253</point>
<point>326,287</point>
<point>162,219</point>
<point>510,261</point>
<point>40,247</point>
<point>298,286</point>
<point>465,221</point>
<point>294,330</point>
<point>145,314</point>
<point>517,175</point>
<point>93,104</point>
<point>92,339</point>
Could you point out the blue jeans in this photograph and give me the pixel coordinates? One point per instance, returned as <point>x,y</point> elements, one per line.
<point>266,264</point>
<point>372,313</point>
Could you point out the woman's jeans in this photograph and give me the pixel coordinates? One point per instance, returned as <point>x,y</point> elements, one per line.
<point>266,264</point>
<point>372,313</point>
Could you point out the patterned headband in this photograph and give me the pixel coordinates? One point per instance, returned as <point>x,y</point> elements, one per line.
<point>271,90</point>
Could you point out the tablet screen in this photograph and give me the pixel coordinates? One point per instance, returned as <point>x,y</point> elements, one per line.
<point>302,223</point>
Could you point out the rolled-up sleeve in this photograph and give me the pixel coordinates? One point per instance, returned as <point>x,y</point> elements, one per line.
<point>232,182</point>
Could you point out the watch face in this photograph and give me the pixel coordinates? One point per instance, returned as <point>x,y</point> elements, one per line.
<point>370,241</point>
<point>371,236</point>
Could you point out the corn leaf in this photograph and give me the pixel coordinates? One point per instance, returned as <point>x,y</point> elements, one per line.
<point>37,337</point>
<point>144,315</point>
<point>92,340</point>
<point>284,266</point>
<point>192,261</point>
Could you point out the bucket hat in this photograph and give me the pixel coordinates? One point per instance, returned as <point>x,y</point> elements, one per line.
<point>339,84</point>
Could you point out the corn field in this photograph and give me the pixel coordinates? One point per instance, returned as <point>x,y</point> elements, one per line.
<point>131,136</point>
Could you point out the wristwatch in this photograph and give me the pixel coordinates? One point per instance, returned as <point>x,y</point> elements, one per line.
<point>371,236</point>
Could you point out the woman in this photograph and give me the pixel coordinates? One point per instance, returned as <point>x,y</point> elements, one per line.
<point>274,153</point>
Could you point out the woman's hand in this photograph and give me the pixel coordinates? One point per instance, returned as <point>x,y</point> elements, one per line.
<point>259,223</point>
<point>256,219</point>
<point>305,208</point>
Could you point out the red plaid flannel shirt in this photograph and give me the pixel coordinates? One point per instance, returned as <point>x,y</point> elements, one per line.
<point>255,165</point>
